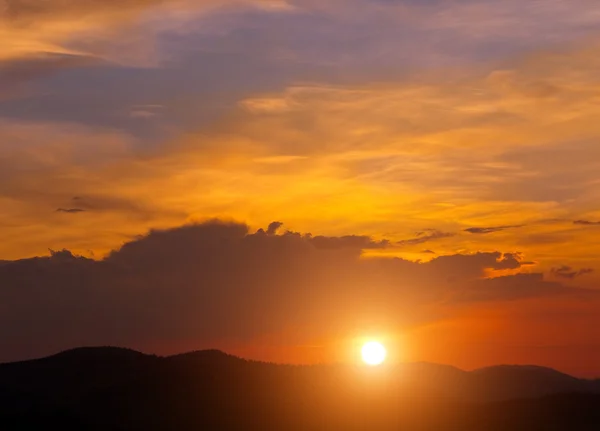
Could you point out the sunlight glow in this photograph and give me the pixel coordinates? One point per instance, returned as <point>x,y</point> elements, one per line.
<point>373,353</point>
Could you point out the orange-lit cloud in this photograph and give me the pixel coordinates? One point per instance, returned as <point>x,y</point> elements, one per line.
<point>417,152</point>
<point>110,31</point>
<point>479,141</point>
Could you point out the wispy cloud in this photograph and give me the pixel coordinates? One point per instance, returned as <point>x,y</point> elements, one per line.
<point>373,136</point>
<point>426,236</point>
<point>587,223</point>
<point>70,210</point>
<point>486,230</point>
<point>569,272</point>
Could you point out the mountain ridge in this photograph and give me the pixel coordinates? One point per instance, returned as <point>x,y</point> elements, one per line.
<point>105,364</point>
<point>113,350</point>
<point>107,388</point>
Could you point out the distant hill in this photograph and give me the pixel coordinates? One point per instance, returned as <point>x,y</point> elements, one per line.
<point>496,383</point>
<point>120,389</point>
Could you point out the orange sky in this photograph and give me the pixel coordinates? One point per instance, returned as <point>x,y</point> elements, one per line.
<point>444,128</point>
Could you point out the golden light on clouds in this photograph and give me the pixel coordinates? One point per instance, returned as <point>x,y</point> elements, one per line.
<point>121,117</point>
<point>346,146</point>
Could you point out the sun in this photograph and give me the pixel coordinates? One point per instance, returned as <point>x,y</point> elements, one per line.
<point>373,353</point>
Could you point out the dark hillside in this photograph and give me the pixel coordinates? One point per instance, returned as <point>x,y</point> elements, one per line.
<point>118,389</point>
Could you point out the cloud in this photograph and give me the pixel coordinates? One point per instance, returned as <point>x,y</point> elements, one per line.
<point>486,230</point>
<point>26,9</point>
<point>348,241</point>
<point>460,267</point>
<point>355,242</point>
<point>157,113</point>
<point>32,27</point>
<point>309,118</point>
<point>569,272</point>
<point>423,237</point>
<point>70,210</point>
<point>587,223</point>
<point>30,9</point>
<point>187,283</point>
<point>101,29</point>
<point>513,287</point>
<point>274,227</point>
<point>20,70</point>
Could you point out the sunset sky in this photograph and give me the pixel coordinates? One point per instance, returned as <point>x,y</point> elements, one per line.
<point>283,179</point>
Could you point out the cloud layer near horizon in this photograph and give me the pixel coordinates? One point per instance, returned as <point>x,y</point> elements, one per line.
<point>217,283</point>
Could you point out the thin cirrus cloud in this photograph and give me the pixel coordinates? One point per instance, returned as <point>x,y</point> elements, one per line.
<point>569,272</point>
<point>391,164</point>
<point>234,33</point>
<point>70,210</point>
<point>426,236</point>
<point>587,223</point>
<point>492,229</point>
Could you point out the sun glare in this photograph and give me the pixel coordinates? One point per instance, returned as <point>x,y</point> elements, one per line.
<point>373,353</point>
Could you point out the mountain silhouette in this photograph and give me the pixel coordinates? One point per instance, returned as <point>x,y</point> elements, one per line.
<point>110,388</point>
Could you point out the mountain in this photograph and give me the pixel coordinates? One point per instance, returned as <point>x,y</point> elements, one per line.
<point>120,389</point>
<point>496,383</point>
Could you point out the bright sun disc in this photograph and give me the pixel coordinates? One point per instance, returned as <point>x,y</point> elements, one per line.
<point>373,353</point>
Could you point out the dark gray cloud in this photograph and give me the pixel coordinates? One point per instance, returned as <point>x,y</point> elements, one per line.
<point>274,227</point>
<point>348,241</point>
<point>355,242</point>
<point>217,281</point>
<point>70,210</point>
<point>92,202</point>
<point>485,230</point>
<point>426,236</point>
<point>569,272</point>
<point>587,223</point>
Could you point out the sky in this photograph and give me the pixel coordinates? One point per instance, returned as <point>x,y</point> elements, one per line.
<point>284,179</point>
